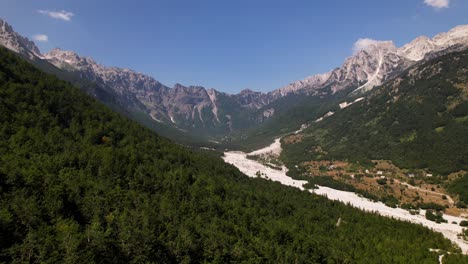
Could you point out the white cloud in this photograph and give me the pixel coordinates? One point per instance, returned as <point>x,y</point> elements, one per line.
<point>41,38</point>
<point>438,4</point>
<point>363,43</point>
<point>63,15</point>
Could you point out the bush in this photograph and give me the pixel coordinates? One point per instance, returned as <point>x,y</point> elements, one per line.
<point>432,206</point>
<point>414,212</point>
<point>460,187</point>
<point>408,206</point>
<point>435,216</point>
<point>382,181</point>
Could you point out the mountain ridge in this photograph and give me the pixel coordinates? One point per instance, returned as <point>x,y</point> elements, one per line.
<point>82,184</point>
<point>428,102</point>
<point>213,113</point>
<point>414,50</point>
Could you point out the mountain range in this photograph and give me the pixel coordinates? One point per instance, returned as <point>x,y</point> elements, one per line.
<point>427,103</point>
<point>214,115</point>
<point>80,183</point>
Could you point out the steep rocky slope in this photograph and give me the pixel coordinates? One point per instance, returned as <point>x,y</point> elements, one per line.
<point>418,120</point>
<point>213,114</point>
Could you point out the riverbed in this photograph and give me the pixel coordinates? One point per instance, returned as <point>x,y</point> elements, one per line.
<point>251,168</point>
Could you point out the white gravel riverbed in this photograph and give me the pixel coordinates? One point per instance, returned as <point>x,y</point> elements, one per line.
<point>251,167</point>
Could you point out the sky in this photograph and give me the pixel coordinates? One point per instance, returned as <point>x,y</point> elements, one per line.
<point>227,45</point>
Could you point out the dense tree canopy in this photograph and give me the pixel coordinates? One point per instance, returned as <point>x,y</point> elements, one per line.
<point>460,187</point>
<point>81,184</point>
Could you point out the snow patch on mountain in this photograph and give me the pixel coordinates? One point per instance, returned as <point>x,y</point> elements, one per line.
<point>346,104</point>
<point>373,79</point>
<point>330,113</point>
<point>213,99</point>
<point>172,119</point>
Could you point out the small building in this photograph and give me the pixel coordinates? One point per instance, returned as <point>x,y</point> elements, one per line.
<point>382,177</point>
<point>379,172</point>
<point>429,175</point>
<point>411,175</point>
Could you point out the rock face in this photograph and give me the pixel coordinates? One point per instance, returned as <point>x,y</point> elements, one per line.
<point>368,68</point>
<point>364,70</point>
<point>417,49</point>
<point>178,105</point>
<point>194,107</point>
<point>17,43</point>
<point>377,63</point>
<point>121,80</point>
<point>310,82</point>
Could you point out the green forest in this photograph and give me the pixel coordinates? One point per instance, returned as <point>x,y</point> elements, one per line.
<point>82,184</point>
<point>290,113</point>
<point>460,187</point>
<point>419,120</point>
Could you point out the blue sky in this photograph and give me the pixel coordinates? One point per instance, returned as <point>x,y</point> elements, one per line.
<point>227,45</point>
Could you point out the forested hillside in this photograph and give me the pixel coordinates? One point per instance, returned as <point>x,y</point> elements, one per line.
<point>82,184</point>
<point>419,120</point>
<point>291,112</point>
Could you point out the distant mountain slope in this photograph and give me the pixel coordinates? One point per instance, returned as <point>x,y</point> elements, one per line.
<point>207,114</point>
<point>191,108</point>
<point>418,120</point>
<point>17,43</point>
<point>380,61</point>
<point>81,184</point>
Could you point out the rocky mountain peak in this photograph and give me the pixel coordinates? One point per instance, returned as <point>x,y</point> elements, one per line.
<point>178,86</point>
<point>357,69</point>
<point>190,107</point>
<point>62,58</point>
<point>309,83</point>
<point>58,53</point>
<point>378,46</point>
<point>454,36</point>
<point>247,91</point>
<point>367,68</point>
<point>417,49</point>
<point>17,43</point>
<point>377,61</point>
<point>421,39</point>
<point>6,28</point>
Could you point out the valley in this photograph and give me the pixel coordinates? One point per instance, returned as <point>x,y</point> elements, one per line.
<point>195,115</point>
<point>262,168</point>
<point>364,162</point>
<point>83,184</point>
<point>386,182</point>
